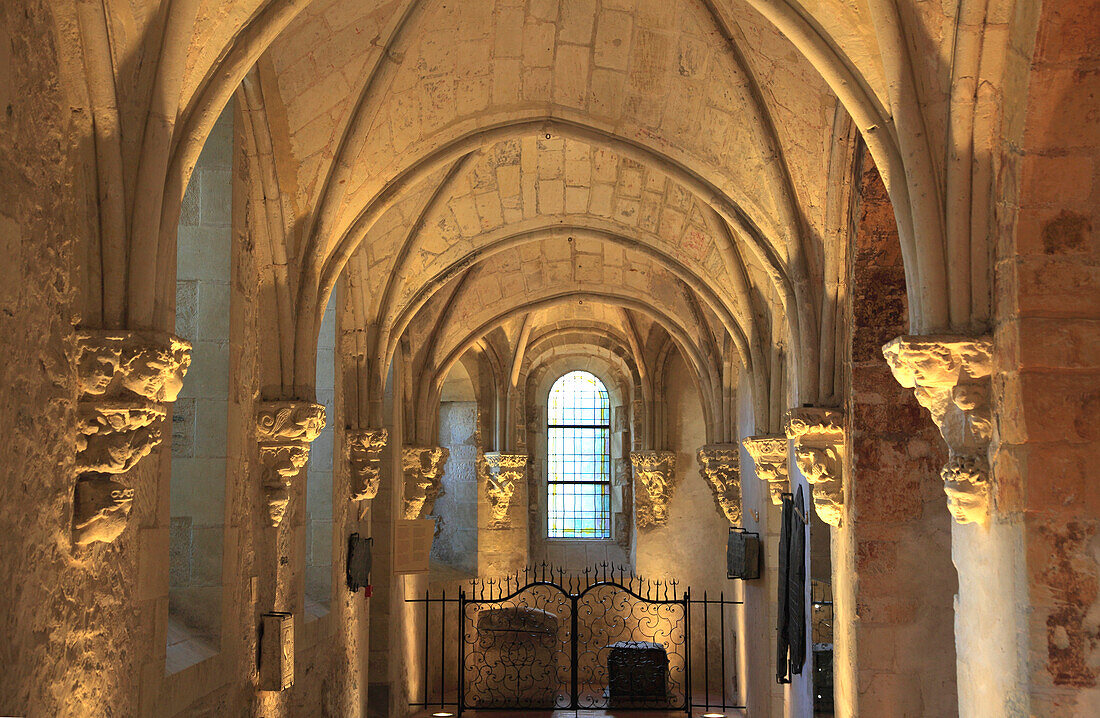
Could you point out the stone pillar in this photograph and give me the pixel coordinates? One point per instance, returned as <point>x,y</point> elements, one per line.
<point>423,470</point>
<point>363,448</point>
<point>721,465</point>
<point>125,380</point>
<point>284,431</point>
<point>818,436</point>
<point>951,379</point>
<point>769,456</point>
<point>503,540</point>
<point>654,483</point>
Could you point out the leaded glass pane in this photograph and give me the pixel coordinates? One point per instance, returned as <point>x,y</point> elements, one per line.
<point>579,453</point>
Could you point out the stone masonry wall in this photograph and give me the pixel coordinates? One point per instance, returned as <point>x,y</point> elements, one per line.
<point>894,579</point>
<point>199,416</point>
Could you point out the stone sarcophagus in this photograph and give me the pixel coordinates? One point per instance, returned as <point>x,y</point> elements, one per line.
<point>769,457</point>
<point>951,378</point>
<point>637,671</point>
<point>423,467</point>
<point>818,438</point>
<point>655,481</point>
<point>517,653</point>
<point>126,381</point>
<point>284,431</point>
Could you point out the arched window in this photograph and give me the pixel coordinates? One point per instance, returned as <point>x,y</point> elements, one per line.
<point>578,501</point>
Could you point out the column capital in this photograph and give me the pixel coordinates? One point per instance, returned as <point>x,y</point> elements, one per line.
<point>423,467</point>
<point>284,431</point>
<point>769,457</point>
<point>818,437</point>
<point>721,466</point>
<point>125,381</point>
<point>656,472</point>
<point>503,473</point>
<point>363,450</point>
<point>951,378</point>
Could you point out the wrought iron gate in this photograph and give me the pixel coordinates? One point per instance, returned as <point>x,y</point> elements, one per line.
<point>546,639</point>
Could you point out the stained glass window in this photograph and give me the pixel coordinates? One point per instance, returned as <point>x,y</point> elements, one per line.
<point>579,458</point>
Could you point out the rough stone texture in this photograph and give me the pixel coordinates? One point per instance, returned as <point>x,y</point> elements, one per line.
<point>456,543</point>
<point>1047,383</point>
<point>653,188</point>
<point>893,579</point>
<point>818,442</point>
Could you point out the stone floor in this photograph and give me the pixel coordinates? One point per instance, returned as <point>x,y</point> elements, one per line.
<point>580,714</point>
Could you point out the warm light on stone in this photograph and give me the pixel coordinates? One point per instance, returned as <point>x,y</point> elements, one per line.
<point>423,478</point>
<point>126,380</point>
<point>951,379</point>
<point>818,440</point>
<point>769,456</point>
<point>364,454</point>
<point>655,481</point>
<point>503,474</point>
<point>284,431</point>
<point>721,465</point>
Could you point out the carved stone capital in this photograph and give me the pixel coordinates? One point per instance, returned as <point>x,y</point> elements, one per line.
<point>423,466</point>
<point>284,431</point>
<point>364,453</point>
<point>655,472</point>
<point>120,363</point>
<point>503,473</point>
<point>125,380</point>
<point>769,457</point>
<point>818,436</point>
<point>721,465</point>
<point>951,378</point>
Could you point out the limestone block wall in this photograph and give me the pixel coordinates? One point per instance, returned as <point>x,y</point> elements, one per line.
<point>319,474</point>
<point>691,547</point>
<point>456,543</point>
<point>199,417</point>
<point>1039,554</point>
<point>894,582</point>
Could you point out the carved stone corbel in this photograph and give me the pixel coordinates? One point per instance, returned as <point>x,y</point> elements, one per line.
<point>284,431</point>
<point>721,465</point>
<point>818,436</point>
<point>655,471</point>
<point>363,448</point>
<point>125,380</point>
<point>423,466</point>
<point>769,456</point>
<point>503,473</point>
<point>950,377</point>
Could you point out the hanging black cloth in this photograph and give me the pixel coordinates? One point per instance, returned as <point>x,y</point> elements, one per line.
<point>782,637</point>
<point>796,591</point>
<point>791,601</point>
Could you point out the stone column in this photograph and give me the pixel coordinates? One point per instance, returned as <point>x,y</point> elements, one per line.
<point>363,449</point>
<point>125,380</point>
<point>503,540</point>
<point>284,431</point>
<point>721,464</point>
<point>818,436</point>
<point>654,483</point>
<point>769,456</point>
<point>423,469</point>
<point>951,379</point>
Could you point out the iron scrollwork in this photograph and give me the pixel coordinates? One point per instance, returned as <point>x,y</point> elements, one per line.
<point>543,639</point>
